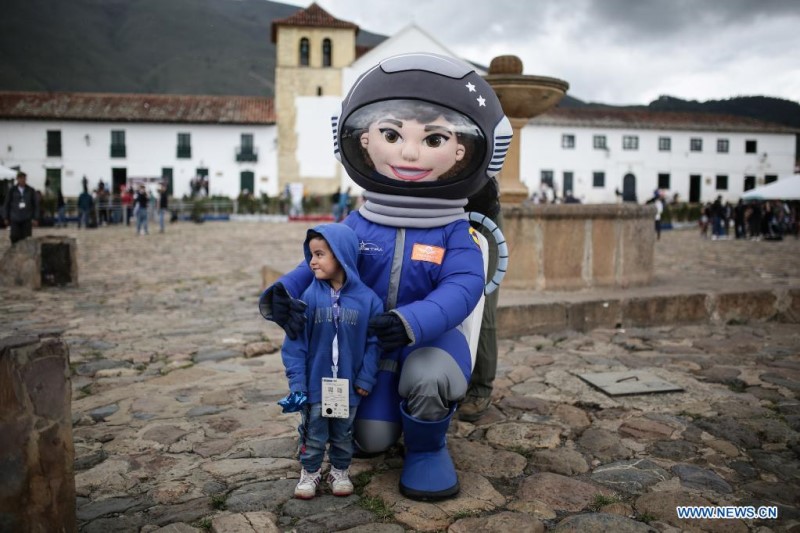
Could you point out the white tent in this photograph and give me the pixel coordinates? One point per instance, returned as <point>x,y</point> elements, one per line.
<point>786,188</point>
<point>6,173</point>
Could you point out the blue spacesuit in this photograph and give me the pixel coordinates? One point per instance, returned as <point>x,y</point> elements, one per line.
<point>420,133</point>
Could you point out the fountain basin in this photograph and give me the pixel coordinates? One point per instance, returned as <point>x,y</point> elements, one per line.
<point>576,246</point>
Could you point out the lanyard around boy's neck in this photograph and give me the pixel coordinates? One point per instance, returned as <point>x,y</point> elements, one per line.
<point>335,310</point>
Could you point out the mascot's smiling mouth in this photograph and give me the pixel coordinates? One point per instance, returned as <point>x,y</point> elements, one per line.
<point>410,173</point>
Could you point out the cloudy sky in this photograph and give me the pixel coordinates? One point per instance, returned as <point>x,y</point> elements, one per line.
<point>613,51</point>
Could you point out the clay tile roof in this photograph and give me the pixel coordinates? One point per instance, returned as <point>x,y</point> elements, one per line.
<point>107,107</point>
<point>645,119</point>
<point>312,16</point>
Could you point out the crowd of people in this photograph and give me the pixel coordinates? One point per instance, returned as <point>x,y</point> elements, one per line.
<point>93,208</point>
<point>768,220</point>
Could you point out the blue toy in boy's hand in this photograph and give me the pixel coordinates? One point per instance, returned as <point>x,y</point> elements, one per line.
<point>293,402</point>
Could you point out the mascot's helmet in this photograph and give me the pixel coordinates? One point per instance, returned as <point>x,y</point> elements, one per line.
<point>421,125</point>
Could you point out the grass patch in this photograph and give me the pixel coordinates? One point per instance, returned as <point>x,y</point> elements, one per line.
<point>646,518</point>
<point>219,502</point>
<point>601,500</point>
<point>203,523</point>
<point>466,514</point>
<point>362,480</point>
<point>692,416</point>
<point>527,454</point>
<point>377,507</point>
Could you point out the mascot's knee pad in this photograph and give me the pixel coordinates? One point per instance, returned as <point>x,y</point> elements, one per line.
<point>435,376</point>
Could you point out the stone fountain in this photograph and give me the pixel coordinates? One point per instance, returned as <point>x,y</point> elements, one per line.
<point>562,246</point>
<point>522,97</point>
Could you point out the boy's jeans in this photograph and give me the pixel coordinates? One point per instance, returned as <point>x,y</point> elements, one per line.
<point>161,213</point>
<point>316,430</point>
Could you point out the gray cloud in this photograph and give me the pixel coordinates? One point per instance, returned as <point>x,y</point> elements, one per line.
<point>614,51</point>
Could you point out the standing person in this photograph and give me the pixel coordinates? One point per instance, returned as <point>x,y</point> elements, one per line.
<point>481,384</point>
<point>21,209</point>
<point>101,194</point>
<point>163,206</point>
<point>739,219</point>
<point>717,218</point>
<point>335,211</point>
<point>84,207</point>
<point>334,345</point>
<point>344,204</point>
<point>658,202</point>
<point>61,206</point>
<point>141,202</point>
<point>126,199</point>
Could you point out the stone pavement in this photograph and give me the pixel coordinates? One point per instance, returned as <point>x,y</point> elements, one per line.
<point>175,378</point>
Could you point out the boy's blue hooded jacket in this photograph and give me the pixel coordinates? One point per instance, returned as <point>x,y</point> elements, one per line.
<point>309,358</point>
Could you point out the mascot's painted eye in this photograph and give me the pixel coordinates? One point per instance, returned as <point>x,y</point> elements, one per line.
<point>435,141</point>
<point>390,135</point>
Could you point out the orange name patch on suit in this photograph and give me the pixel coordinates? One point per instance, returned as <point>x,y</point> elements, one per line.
<point>426,252</point>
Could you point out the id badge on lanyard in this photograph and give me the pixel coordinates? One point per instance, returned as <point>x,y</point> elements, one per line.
<point>335,391</point>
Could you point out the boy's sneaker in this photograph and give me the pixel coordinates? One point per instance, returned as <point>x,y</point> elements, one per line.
<point>340,482</point>
<point>307,486</point>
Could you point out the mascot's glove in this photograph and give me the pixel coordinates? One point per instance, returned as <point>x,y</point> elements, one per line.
<point>390,331</point>
<point>288,312</point>
<point>293,402</point>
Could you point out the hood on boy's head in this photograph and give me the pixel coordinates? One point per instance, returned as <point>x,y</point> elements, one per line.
<point>342,241</point>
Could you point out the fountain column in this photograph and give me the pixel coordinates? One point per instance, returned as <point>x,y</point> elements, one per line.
<point>522,97</point>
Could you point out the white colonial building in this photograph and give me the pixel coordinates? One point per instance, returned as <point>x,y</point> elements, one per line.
<point>119,138</point>
<point>598,153</point>
<point>262,145</point>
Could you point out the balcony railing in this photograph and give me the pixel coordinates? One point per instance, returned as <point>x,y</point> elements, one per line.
<point>246,153</point>
<point>117,150</point>
<point>54,150</point>
<point>184,152</point>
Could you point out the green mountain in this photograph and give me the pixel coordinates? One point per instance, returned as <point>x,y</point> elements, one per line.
<point>211,47</point>
<point>766,108</point>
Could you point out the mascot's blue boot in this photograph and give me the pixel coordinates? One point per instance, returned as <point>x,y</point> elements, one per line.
<point>428,471</point>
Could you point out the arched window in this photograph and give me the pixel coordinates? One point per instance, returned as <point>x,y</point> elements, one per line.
<point>303,52</point>
<point>327,48</point>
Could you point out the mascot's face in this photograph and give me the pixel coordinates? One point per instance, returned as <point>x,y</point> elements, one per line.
<point>410,150</point>
<point>412,142</point>
<point>422,125</point>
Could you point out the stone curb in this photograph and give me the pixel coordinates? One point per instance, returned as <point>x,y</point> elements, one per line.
<point>729,307</point>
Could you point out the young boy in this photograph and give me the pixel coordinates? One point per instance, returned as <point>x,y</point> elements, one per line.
<point>334,344</point>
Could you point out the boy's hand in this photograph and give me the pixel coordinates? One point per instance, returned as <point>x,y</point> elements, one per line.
<point>362,392</point>
<point>293,402</point>
<point>288,312</point>
<point>390,331</point>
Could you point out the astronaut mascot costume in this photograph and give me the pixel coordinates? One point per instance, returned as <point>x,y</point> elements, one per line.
<point>420,133</point>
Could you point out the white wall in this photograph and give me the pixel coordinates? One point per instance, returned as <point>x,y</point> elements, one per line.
<point>315,135</point>
<point>541,150</point>
<point>85,149</point>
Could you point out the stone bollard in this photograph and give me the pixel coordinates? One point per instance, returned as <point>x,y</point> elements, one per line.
<point>41,261</point>
<point>37,480</point>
